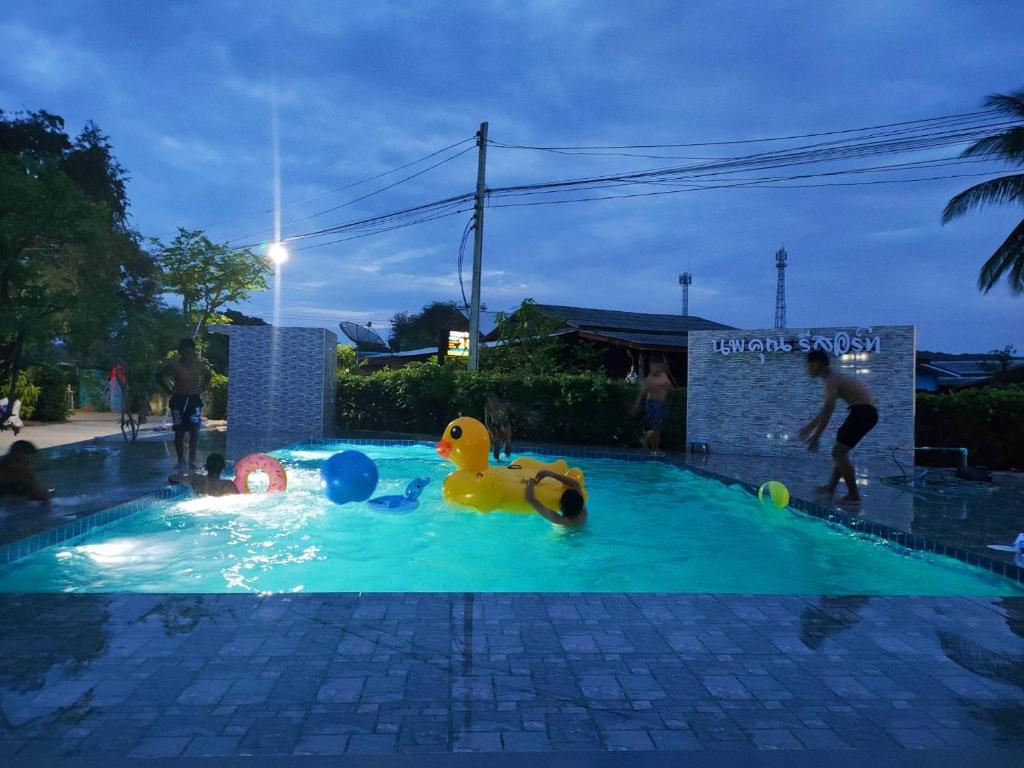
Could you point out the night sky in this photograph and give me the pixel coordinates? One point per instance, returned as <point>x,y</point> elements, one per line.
<point>186,92</point>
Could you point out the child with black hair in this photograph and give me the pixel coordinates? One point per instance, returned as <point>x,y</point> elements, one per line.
<point>18,477</point>
<point>571,505</point>
<point>209,484</point>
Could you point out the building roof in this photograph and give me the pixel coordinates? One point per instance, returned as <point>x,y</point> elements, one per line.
<point>958,374</point>
<point>616,320</point>
<point>633,329</point>
<point>668,340</point>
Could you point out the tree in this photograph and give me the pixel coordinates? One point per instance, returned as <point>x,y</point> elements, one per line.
<point>420,329</point>
<point>1000,367</point>
<point>526,343</point>
<point>209,275</point>
<point>67,258</point>
<point>1008,258</point>
<point>347,359</point>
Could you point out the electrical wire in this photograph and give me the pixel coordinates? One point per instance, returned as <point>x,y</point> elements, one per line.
<point>470,226</point>
<point>341,188</point>
<point>920,121</point>
<point>366,196</point>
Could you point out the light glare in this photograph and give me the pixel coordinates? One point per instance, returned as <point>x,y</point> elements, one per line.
<point>277,253</point>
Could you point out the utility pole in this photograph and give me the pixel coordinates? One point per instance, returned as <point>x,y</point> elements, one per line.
<point>478,249</point>
<point>685,280</point>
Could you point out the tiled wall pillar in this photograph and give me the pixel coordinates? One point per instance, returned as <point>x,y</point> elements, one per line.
<point>281,385</point>
<point>748,392</point>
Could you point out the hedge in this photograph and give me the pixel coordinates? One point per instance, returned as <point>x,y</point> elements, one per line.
<point>989,422</point>
<point>587,409</point>
<point>52,401</point>
<point>217,396</point>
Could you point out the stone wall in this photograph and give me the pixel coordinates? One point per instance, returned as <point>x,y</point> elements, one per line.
<point>281,385</point>
<point>748,392</point>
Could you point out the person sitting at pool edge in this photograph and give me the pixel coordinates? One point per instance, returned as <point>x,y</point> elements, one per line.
<point>572,505</point>
<point>861,419</point>
<point>209,484</point>
<point>18,477</point>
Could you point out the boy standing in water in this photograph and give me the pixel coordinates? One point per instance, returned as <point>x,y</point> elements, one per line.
<point>496,418</point>
<point>186,404</point>
<point>209,484</point>
<point>654,395</point>
<point>860,420</point>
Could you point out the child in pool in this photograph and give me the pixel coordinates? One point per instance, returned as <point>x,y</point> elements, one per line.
<point>571,504</point>
<point>18,476</point>
<point>209,484</point>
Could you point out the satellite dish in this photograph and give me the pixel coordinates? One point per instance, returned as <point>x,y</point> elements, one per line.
<point>365,338</point>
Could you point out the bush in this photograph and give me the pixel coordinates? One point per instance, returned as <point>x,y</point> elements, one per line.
<point>26,391</point>
<point>989,422</point>
<point>582,408</point>
<point>52,403</point>
<point>217,393</point>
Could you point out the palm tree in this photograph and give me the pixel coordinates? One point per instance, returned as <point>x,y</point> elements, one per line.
<point>1009,146</point>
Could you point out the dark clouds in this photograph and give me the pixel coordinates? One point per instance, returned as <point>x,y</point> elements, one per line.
<point>184,91</point>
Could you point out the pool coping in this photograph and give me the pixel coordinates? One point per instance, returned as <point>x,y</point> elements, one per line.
<point>29,545</point>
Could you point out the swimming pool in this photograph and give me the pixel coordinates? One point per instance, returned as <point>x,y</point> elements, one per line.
<point>653,528</point>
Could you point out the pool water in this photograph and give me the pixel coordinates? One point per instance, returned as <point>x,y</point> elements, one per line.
<point>652,528</point>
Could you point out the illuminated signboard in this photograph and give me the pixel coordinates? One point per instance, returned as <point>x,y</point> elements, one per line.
<point>458,343</point>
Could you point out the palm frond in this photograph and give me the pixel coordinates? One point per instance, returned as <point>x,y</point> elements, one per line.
<point>1007,260</point>
<point>1009,104</point>
<point>1005,189</point>
<point>1008,145</point>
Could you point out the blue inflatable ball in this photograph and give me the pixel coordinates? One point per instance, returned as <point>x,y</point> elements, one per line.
<point>348,476</point>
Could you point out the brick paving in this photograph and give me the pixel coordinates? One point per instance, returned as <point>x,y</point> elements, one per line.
<point>112,676</point>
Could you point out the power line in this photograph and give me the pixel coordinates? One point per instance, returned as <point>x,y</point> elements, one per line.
<point>742,184</point>
<point>725,142</point>
<point>341,188</point>
<point>366,196</point>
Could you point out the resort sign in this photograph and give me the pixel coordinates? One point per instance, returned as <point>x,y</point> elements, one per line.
<point>838,343</point>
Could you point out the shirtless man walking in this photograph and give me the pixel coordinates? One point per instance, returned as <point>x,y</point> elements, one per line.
<point>860,420</point>
<point>186,404</point>
<point>654,395</point>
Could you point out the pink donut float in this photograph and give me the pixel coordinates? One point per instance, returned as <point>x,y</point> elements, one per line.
<point>260,462</point>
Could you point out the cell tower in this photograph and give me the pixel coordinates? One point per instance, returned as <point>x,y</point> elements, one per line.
<point>685,280</point>
<point>780,291</point>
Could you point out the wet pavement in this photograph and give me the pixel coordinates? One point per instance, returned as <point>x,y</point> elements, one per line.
<point>969,516</point>
<point>108,676</point>
<point>94,475</point>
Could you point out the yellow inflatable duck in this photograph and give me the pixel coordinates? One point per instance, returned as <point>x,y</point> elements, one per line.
<point>474,483</point>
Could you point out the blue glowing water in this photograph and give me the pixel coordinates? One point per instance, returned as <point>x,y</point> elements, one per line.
<point>652,528</point>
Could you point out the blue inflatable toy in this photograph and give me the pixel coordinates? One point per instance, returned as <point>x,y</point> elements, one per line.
<point>348,476</point>
<point>400,505</point>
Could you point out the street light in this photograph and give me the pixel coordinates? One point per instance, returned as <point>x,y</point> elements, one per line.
<point>277,253</point>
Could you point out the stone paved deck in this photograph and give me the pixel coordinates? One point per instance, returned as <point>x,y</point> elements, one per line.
<point>113,676</point>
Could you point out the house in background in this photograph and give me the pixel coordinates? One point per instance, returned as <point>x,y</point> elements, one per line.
<point>630,339</point>
<point>944,373</point>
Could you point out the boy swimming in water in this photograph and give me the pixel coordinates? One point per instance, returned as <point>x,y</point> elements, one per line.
<point>860,420</point>
<point>209,484</point>
<point>571,505</point>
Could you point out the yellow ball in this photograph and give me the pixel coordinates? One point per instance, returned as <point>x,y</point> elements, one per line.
<point>777,493</point>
